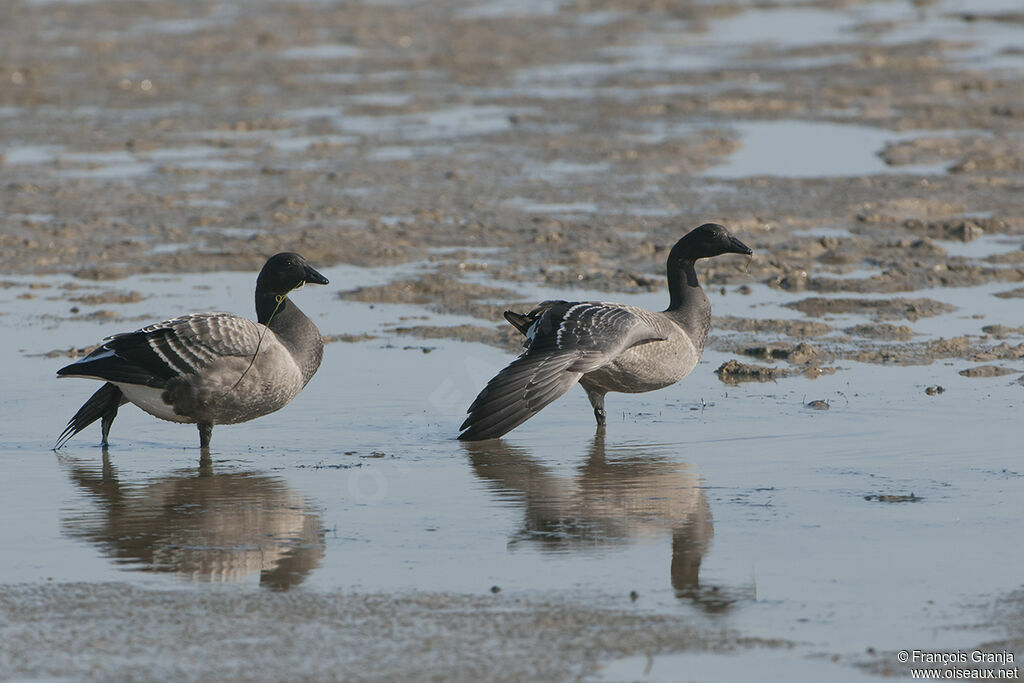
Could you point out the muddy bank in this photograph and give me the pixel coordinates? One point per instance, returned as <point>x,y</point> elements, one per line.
<point>302,636</point>
<point>561,146</point>
<point>771,339</point>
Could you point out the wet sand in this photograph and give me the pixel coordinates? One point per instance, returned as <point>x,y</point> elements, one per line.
<point>574,143</point>
<point>65,631</point>
<point>469,157</point>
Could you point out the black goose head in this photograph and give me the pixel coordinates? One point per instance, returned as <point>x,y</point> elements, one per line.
<point>286,271</point>
<point>706,241</point>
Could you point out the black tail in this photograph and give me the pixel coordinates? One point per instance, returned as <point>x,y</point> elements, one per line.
<point>103,404</point>
<point>519,321</point>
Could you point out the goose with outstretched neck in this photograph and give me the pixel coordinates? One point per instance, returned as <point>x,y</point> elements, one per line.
<point>604,346</point>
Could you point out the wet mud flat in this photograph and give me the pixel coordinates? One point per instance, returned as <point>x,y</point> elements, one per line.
<point>572,143</point>
<point>350,636</point>
<point>452,160</point>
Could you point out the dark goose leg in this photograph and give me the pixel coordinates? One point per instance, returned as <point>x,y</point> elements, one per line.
<point>205,432</point>
<point>597,400</point>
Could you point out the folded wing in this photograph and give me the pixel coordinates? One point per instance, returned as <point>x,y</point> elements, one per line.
<point>181,346</point>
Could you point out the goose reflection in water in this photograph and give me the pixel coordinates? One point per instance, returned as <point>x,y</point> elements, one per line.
<point>634,494</point>
<point>205,525</point>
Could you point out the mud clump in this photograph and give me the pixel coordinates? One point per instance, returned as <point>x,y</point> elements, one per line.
<point>1003,331</point>
<point>440,291</point>
<point>348,338</point>
<point>73,352</point>
<point>108,298</point>
<point>1013,256</point>
<point>883,309</point>
<point>947,348</point>
<point>893,498</point>
<point>1002,352</point>
<point>503,336</point>
<point>800,354</point>
<point>922,273</point>
<point>427,289</point>
<point>967,154</point>
<point>986,371</point>
<point>963,230</point>
<point>733,372</point>
<point>791,328</point>
<point>881,331</point>
<point>906,208</point>
<point>103,272</point>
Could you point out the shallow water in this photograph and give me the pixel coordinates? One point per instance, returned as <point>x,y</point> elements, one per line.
<point>800,149</point>
<point>736,506</point>
<point>731,507</point>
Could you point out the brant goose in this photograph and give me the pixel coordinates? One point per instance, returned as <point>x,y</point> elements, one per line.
<point>603,346</point>
<point>208,368</point>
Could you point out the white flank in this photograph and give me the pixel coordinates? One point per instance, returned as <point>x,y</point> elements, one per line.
<point>151,400</point>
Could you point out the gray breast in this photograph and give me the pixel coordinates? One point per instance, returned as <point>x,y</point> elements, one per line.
<point>238,389</point>
<point>649,366</point>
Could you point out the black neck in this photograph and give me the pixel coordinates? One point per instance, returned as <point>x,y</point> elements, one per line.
<point>287,321</point>
<point>682,280</point>
<point>268,308</point>
<point>293,329</point>
<point>688,306</point>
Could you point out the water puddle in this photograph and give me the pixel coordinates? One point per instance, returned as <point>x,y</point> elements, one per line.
<point>107,171</point>
<point>406,153</point>
<point>580,74</point>
<point>175,27</point>
<point>327,51</point>
<point>561,171</point>
<point>119,164</point>
<point>307,113</point>
<point>347,77</point>
<point>982,247</point>
<point>805,149</point>
<point>173,154</point>
<point>991,44</point>
<point>737,506</point>
<point>382,99</point>
<point>198,524</point>
<point>530,206</point>
<point>459,121</point>
<point>783,26</point>
<point>299,143</point>
<point>654,57</point>
<point>826,231</point>
<point>31,154</point>
<point>739,41</point>
<point>627,495</point>
<point>31,217</point>
<point>496,9</point>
